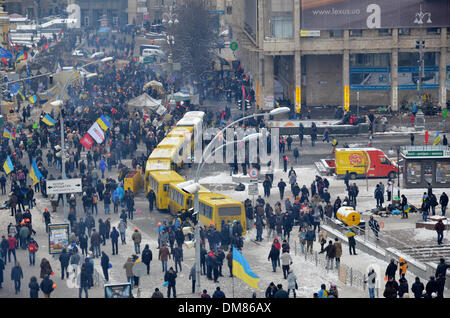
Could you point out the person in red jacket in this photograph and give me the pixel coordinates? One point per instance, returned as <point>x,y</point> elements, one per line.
<point>12,248</point>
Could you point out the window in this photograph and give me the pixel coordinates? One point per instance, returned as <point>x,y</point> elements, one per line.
<point>404,31</point>
<point>282,25</point>
<point>433,30</point>
<point>384,161</point>
<point>206,210</point>
<point>166,187</point>
<point>355,32</point>
<point>443,173</point>
<point>230,211</point>
<point>384,32</point>
<point>410,59</point>
<point>413,172</point>
<point>336,33</point>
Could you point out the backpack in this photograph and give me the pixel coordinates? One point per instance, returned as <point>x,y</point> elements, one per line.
<point>33,247</point>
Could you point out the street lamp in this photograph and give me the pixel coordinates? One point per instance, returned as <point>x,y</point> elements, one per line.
<point>276,111</point>
<point>60,103</point>
<point>421,46</point>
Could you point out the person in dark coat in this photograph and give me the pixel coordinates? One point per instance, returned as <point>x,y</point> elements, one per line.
<point>391,269</point>
<point>115,241</point>
<point>47,286</point>
<point>391,288</point>
<point>271,290</point>
<point>16,276</point>
<point>84,281</point>
<point>34,287</point>
<point>170,277</point>
<point>157,294</point>
<point>441,272</point>
<point>147,257</point>
<point>281,293</point>
<point>403,287</point>
<point>104,262</point>
<point>443,201</point>
<point>218,293</point>
<point>64,259</point>
<point>417,288</point>
<point>274,256</point>
<point>432,287</point>
<point>281,187</point>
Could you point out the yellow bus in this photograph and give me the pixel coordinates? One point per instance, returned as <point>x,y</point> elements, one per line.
<point>159,181</point>
<point>215,207</point>
<point>180,200</point>
<point>180,144</point>
<point>185,132</point>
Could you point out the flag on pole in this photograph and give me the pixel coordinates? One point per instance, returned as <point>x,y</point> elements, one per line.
<point>97,133</point>
<point>48,120</point>
<point>87,141</point>
<point>21,94</point>
<point>242,270</point>
<point>33,99</point>
<point>104,122</point>
<point>8,134</point>
<point>5,53</point>
<point>8,166</point>
<point>21,56</point>
<point>437,139</point>
<point>35,174</point>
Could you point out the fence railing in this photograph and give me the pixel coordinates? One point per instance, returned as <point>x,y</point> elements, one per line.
<point>346,274</point>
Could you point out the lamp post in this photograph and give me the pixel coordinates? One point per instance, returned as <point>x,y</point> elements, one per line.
<point>419,20</point>
<point>171,19</point>
<point>398,173</point>
<point>60,103</point>
<point>196,187</point>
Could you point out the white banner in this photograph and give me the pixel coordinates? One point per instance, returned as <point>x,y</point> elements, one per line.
<point>97,133</point>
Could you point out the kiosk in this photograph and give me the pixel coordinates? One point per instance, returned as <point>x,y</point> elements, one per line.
<point>426,164</point>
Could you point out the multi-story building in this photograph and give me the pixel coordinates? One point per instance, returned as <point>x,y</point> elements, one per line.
<point>93,12</point>
<point>30,8</point>
<point>137,11</point>
<point>338,52</point>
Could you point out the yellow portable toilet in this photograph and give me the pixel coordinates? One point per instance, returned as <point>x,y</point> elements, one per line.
<point>348,215</point>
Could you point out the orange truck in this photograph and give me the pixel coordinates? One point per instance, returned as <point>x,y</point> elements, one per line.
<point>359,162</point>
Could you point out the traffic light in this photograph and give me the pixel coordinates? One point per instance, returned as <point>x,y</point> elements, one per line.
<point>247,104</point>
<point>51,79</point>
<point>239,103</point>
<point>58,151</point>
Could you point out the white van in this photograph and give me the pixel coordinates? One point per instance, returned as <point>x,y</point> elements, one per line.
<point>148,52</point>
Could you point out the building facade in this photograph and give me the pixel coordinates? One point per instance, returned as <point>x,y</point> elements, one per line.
<point>338,52</point>
<point>93,11</point>
<point>30,8</point>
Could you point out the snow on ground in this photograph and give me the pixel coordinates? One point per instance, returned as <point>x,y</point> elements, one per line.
<point>422,234</point>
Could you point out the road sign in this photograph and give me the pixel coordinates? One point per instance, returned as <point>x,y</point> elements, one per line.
<point>253,189</point>
<point>64,186</point>
<point>233,46</point>
<point>139,269</point>
<point>253,173</point>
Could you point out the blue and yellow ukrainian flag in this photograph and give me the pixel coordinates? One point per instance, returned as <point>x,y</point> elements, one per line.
<point>35,174</point>
<point>8,166</point>
<point>7,134</point>
<point>103,122</point>
<point>20,56</point>
<point>48,120</point>
<point>21,94</point>
<point>437,139</point>
<point>242,270</point>
<point>33,99</point>
<point>83,95</point>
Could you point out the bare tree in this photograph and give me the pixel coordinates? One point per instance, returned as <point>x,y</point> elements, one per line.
<point>195,37</point>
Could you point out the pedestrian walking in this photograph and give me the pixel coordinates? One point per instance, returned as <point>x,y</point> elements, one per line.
<point>170,277</point>
<point>147,257</point>
<point>16,277</point>
<point>34,287</point>
<point>137,239</point>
